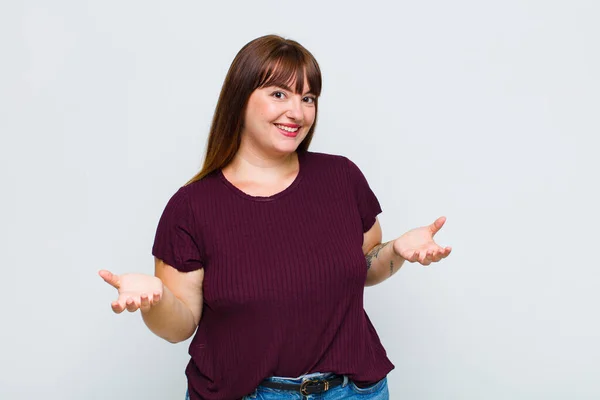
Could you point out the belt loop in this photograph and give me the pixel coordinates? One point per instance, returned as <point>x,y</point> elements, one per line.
<point>345,381</point>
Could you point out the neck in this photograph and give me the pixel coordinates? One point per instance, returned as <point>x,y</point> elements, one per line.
<point>252,165</point>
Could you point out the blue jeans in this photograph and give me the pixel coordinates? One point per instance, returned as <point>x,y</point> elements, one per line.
<point>347,390</point>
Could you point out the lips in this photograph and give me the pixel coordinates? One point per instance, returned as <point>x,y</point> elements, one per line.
<point>287,131</point>
<point>291,128</point>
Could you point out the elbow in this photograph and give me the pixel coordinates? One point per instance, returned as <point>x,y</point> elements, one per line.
<point>372,282</point>
<point>373,278</point>
<point>181,336</point>
<point>178,339</point>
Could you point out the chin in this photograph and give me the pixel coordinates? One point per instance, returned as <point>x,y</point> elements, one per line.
<point>285,150</point>
<point>288,146</point>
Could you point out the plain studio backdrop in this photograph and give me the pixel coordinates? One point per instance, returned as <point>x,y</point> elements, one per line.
<point>486,112</point>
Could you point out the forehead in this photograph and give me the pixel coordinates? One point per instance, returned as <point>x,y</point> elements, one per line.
<point>291,86</point>
<point>290,77</point>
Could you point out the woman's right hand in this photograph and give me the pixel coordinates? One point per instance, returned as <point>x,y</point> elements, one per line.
<point>135,291</point>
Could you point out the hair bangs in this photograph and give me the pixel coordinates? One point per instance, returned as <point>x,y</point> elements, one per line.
<point>289,69</point>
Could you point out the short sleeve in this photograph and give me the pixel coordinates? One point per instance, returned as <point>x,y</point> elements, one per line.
<point>176,241</point>
<point>366,201</point>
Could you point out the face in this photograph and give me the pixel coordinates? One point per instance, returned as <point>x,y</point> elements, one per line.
<point>277,119</point>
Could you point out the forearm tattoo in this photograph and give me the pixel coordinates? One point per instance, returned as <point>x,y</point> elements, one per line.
<point>373,253</point>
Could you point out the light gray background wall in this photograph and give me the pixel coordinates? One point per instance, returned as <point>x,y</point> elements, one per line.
<point>486,112</point>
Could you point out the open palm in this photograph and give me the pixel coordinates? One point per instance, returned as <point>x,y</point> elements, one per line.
<point>417,245</point>
<point>135,291</point>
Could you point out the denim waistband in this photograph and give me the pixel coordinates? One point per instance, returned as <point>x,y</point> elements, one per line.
<point>301,378</point>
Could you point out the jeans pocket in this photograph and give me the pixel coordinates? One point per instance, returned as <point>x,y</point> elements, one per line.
<point>374,388</point>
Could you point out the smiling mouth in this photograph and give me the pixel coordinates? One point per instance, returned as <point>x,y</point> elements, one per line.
<point>287,128</point>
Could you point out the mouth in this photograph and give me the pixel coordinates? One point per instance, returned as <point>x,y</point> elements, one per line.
<point>288,130</point>
<point>291,128</point>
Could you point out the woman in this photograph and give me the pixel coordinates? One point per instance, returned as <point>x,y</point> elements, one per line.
<point>265,253</point>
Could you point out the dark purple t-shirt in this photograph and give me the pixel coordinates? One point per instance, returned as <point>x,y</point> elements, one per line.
<point>284,277</point>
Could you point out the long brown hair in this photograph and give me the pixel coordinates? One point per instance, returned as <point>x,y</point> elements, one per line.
<point>266,61</point>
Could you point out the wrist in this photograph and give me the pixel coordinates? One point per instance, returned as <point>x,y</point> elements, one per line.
<point>395,252</point>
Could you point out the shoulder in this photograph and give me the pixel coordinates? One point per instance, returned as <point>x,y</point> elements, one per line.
<point>203,188</point>
<point>339,167</point>
<point>190,199</point>
<point>344,163</point>
<point>327,160</point>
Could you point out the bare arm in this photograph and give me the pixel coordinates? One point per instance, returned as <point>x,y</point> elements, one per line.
<point>416,245</point>
<point>382,261</point>
<point>176,316</point>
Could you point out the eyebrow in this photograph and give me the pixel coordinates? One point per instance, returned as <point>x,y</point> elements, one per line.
<point>286,87</point>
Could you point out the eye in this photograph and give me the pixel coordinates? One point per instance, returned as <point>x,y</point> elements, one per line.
<point>309,99</point>
<point>278,95</point>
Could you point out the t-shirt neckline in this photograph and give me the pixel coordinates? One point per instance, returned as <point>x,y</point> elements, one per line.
<point>275,196</point>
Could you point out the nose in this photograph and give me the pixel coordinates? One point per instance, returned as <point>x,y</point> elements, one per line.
<point>294,110</point>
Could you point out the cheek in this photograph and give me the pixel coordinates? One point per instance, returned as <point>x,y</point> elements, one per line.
<point>270,112</point>
<point>263,115</point>
<point>309,116</point>
<point>257,115</point>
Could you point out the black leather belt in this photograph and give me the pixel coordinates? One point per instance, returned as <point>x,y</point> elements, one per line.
<point>309,386</point>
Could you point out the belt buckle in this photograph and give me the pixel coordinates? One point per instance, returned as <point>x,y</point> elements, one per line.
<point>303,386</point>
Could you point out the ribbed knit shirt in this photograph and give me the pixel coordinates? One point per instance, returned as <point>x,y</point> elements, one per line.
<point>284,277</point>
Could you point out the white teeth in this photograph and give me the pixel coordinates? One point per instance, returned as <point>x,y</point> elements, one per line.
<point>287,129</point>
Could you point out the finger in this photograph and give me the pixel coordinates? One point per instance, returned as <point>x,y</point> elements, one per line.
<point>155,298</point>
<point>131,305</point>
<point>110,278</point>
<point>144,302</point>
<point>117,307</point>
<point>423,259</point>
<point>414,257</point>
<point>446,252</point>
<point>441,256</point>
<point>429,255</point>
<point>437,225</point>
<point>438,254</point>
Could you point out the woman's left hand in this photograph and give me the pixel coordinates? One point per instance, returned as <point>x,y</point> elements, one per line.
<point>417,245</point>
